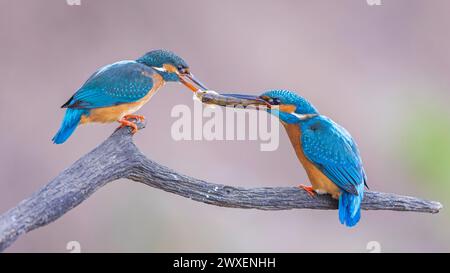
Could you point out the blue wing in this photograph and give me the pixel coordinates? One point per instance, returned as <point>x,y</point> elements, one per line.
<point>118,83</point>
<point>331,149</point>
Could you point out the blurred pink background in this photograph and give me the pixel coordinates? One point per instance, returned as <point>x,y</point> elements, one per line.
<point>380,71</point>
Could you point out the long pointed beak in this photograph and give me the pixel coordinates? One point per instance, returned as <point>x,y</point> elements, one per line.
<point>246,100</point>
<point>191,82</point>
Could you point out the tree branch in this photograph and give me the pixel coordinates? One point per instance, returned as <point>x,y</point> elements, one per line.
<point>118,157</point>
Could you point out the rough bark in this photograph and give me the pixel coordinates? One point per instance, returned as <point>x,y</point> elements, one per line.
<point>118,157</point>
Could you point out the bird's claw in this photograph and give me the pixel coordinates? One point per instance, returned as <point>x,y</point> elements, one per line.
<point>126,123</point>
<point>308,189</point>
<point>136,117</point>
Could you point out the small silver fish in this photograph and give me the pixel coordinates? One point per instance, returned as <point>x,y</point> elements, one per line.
<point>214,98</point>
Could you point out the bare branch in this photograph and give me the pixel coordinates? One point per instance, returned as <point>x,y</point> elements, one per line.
<point>117,157</point>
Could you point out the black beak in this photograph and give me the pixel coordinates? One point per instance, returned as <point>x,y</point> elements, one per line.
<point>197,82</point>
<point>191,82</point>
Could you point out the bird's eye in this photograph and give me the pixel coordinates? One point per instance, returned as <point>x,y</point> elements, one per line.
<point>182,69</point>
<point>274,101</point>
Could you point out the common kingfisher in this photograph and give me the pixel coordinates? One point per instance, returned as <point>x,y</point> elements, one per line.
<point>115,91</point>
<point>326,150</point>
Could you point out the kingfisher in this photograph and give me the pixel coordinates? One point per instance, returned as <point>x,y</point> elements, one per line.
<point>326,150</point>
<point>116,91</point>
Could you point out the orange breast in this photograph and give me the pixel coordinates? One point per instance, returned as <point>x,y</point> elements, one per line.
<point>115,113</point>
<point>320,182</point>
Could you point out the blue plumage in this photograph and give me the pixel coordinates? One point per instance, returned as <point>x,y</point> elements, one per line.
<point>124,82</point>
<point>159,57</point>
<point>69,124</point>
<point>333,151</point>
<point>287,97</point>
<point>114,84</point>
<point>350,206</point>
<point>329,147</point>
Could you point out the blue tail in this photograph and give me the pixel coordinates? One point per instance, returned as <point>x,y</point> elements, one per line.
<point>350,206</point>
<point>68,125</point>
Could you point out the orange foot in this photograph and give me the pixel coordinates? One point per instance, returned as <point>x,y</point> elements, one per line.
<point>136,117</point>
<point>308,189</point>
<point>123,123</point>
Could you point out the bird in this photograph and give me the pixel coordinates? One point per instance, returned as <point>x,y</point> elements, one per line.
<point>326,150</point>
<point>116,91</point>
